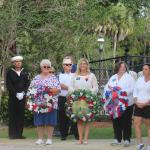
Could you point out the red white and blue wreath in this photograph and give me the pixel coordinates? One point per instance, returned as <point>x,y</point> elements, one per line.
<point>83,105</point>
<point>115,101</point>
<point>39,99</point>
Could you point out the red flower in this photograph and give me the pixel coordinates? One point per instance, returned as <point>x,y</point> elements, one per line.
<point>92,115</point>
<point>69,98</point>
<point>90,102</point>
<point>42,106</point>
<point>82,98</point>
<point>34,106</point>
<point>50,109</point>
<point>118,88</point>
<point>114,95</point>
<point>123,101</point>
<point>50,93</point>
<point>46,89</point>
<point>123,94</point>
<point>103,100</point>
<point>91,106</point>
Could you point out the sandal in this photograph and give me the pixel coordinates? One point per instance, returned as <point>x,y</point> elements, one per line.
<point>79,142</point>
<point>85,142</point>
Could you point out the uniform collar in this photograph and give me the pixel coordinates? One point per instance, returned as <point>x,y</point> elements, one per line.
<point>13,69</point>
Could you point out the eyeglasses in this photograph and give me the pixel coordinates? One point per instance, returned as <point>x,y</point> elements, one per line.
<point>46,67</point>
<point>51,72</point>
<point>68,64</point>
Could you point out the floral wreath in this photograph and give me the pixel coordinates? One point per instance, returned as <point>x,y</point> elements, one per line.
<point>115,101</point>
<point>83,105</point>
<point>34,96</point>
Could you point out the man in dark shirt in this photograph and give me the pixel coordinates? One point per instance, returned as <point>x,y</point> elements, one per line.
<point>17,82</point>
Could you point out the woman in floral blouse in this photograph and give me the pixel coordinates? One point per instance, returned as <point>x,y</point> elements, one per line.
<point>43,91</point>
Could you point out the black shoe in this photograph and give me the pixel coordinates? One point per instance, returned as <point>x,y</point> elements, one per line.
<point>12,137</point>
<point>21,137</point>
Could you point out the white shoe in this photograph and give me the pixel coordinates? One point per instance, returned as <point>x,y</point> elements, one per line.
<point>126,143</point>
<point>140,146</point>
<point>39,142</point>
<point>115,142</point>
<point>148,147</point>
<point>48,142</point>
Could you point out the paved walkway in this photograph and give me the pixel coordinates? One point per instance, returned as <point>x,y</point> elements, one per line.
<point>28,144</point>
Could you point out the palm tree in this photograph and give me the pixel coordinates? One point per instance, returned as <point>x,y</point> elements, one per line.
<point>116,22</point>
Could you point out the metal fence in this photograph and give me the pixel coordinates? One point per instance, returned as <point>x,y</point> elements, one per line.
<point>104,68</point>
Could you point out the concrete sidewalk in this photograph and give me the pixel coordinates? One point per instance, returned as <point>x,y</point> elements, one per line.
<point>28,144</point>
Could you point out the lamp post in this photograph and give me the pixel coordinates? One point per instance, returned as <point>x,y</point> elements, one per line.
<point>101,41</point>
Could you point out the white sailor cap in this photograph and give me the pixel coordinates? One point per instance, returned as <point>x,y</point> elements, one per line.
<point>67,61</point>
<point>16,58</point>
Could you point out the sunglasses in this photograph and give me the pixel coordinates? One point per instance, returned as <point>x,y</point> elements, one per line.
<point>51,72</point>
<point>68,64</point>
<point>18,61</point>
<point>46,67</point>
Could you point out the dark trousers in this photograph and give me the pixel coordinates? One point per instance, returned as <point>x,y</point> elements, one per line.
<point>123,126</point>
<point>63,121</point>
<point>16,117</point>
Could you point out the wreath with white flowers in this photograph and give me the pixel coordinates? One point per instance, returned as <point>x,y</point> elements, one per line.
<point>39,99</point>
<point>83,105</point>
<point>115,101</point>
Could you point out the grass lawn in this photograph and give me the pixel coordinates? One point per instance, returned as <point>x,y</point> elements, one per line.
<point>95,133</point>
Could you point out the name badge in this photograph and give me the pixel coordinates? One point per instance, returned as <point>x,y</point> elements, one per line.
<point>78,78</point>
<point>113,80</point>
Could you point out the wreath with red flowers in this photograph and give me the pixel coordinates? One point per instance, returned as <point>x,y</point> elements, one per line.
<point>115,101</point>
<point>39,99</point>
<point>83,105</point>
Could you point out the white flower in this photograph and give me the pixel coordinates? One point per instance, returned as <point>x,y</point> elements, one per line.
<point>123,107</point>
<point>120,103</point>
<point>81,93</point>
<point>29,103</point>
<point>30,108</point>
<point>32,91</point>
<point>36,110</point>
<point>73,96</point>
<point>84,119</point>
<point>94,102</point>
<point>69,108</point>
<point>47,97</point>
<point>89,114</point>
<point>73,115</point>
<point>42,110</point>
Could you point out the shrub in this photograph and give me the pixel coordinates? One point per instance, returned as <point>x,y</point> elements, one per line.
<point>4,112</point>
<point>4,109</point>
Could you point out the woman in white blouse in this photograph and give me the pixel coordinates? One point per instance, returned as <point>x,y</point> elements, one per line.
<point>83,79</point>
<point>122,125</point>
<point>142,107</point>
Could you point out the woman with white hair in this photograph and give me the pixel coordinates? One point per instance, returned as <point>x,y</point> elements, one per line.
<point>43,90</point>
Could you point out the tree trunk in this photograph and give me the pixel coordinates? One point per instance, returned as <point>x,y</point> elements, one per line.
<point>4,77</point>
<point>1,3</point>
<point>0,87</point>
<point>115,44</point>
